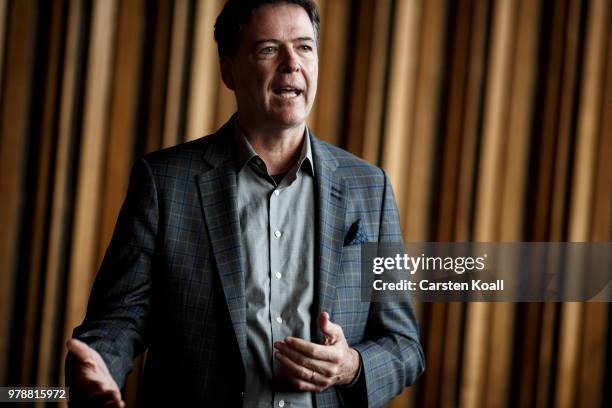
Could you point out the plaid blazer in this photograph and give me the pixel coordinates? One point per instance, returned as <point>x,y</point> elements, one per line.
<point>171,281</point>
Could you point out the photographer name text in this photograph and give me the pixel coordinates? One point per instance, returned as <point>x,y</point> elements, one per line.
<point>426,285</point>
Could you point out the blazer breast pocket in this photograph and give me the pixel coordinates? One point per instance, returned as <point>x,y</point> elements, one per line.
<point>356,234</point>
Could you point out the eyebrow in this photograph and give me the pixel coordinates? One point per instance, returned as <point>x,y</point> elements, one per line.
<point>271,40</point>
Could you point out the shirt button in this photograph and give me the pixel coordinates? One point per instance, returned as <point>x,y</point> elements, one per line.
<point>279,320</point>
<point>281,403</point>
<point>278,275</point>
<point>277,233</point>
<point>276,192</point>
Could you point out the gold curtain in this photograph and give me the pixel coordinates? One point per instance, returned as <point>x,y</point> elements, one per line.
<point>493,119</point>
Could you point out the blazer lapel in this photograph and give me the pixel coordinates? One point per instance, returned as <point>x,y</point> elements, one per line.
<point>218,195</point>
<point>330,210</point>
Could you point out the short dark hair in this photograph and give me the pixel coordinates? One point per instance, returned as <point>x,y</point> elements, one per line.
<point>236,13</point>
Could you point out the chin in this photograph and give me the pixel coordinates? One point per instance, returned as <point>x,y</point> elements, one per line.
<point>289,119</point>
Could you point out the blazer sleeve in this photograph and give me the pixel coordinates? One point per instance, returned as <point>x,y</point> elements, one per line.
<point>391,355</point>
<point>119,304</point>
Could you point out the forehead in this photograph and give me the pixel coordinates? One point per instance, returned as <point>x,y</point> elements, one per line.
<point>278,21</point>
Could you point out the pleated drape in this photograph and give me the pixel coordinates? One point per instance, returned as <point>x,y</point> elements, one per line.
<point>492,118</point>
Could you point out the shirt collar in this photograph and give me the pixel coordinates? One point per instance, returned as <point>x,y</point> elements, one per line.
<point>244,153</point>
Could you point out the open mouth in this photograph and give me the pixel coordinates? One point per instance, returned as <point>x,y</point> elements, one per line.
<point>287,93</point>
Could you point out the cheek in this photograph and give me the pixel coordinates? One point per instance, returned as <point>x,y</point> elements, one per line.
<point>312,88</point>
<point>260,81</point>
<point>254,78</point>
<point>313,75</point>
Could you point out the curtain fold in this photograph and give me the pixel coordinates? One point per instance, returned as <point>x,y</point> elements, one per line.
<point>491,117</point>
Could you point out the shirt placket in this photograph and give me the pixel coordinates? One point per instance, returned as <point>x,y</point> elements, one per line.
<point>278,237</point>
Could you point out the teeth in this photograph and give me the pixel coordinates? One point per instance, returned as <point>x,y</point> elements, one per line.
<point>287,92</point>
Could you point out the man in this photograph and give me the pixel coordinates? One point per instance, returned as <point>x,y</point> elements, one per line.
<point>235,259</point>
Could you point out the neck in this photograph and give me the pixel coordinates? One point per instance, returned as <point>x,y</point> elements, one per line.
<point>279,148</point>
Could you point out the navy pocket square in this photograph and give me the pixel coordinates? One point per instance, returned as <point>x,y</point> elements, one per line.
<point>356,235</point>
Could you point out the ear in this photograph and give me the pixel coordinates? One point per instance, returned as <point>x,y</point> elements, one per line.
<point>227,74</point>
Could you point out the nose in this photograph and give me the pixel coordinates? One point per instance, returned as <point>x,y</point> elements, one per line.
<point>289,62</point>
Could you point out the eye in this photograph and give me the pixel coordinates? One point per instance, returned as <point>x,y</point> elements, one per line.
<point>306,48</point>
<point>267,50</point>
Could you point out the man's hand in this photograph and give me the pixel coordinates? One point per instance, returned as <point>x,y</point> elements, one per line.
<point>315,367</point>
<point>92,380</point>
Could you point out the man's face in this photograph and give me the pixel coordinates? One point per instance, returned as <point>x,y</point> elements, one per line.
<point>275,70</point>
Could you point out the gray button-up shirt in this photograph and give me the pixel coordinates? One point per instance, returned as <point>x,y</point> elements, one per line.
<point>277,233</point>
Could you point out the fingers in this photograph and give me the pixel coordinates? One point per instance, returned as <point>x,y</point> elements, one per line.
<point>90,387</point>
<point>298,373</point>
<point>310,366</point>
<point>315,367</point>
<point>103,398</point>
<point>92,381</point>
<point>106,398</point>
<point>312,350</point>
<point>325,368</point>
<point>305,385</point>
<point>331,331</point>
